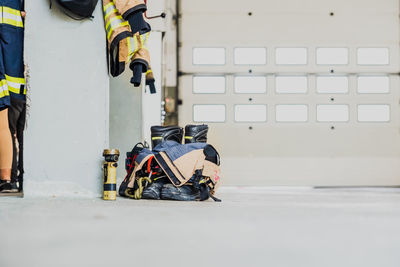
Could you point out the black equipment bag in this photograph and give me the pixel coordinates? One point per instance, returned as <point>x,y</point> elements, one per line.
<point>80,9</point>
<point>130,166</point>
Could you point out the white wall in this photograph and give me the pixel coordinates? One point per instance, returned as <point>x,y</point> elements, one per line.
<point>68,115</point>
<point>125,116</point>
<point>151,108</point>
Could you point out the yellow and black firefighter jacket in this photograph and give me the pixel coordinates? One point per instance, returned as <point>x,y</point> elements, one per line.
<point>125,46</point>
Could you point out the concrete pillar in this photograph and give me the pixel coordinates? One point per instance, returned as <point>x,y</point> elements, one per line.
<point>69,101</point>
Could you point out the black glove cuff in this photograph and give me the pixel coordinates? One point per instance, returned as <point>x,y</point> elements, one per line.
<point>137,23</point>
<point>139,8</point>
<point>151,85</point>
<point>137,74</point>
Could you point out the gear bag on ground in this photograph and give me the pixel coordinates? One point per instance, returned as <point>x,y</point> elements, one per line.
<point>172,171</point>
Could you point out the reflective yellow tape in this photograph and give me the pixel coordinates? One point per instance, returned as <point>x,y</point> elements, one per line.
<point>114,21</point>
<point>12,17</point>
<point>156,138</point>
<point>14,84</point>
<point>109,10</point>
<point>15,79</point>
<point>11,11</point>
<point>129,42</point>
<point>111,30</point>
<point>149,71</point>
<point>3,89</point>
<point>131,50</point>
<point>13,22</point>
<point>114,11</point>
<point>144,38</point>
<point>14,90</point>
<point>137,43</point>
<point>3,94</point>
<point>107,6</point>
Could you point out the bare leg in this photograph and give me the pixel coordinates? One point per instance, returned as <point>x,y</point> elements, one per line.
<point>6,147</point>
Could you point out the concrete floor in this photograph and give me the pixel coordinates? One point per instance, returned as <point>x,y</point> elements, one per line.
<point>251,227</point>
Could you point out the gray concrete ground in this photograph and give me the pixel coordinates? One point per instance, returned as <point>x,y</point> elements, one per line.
<point>251,227</point>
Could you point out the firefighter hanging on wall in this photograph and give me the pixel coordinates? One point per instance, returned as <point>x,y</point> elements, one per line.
<point>127,35</point>
<point>12,95</point>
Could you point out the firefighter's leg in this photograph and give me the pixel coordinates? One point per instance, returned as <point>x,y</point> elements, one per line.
<point>5,136</point>
<point>15,113</point>
<point>5,147</point>
<point>20,138</point>
<point>13,47</point>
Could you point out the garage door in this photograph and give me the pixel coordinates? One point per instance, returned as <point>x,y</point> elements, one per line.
<point>295,92</point>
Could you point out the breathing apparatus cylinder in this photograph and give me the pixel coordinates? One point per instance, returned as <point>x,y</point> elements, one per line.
<point>110,165</point>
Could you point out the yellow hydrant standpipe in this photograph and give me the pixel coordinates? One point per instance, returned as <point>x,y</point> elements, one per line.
<point>110,165</point>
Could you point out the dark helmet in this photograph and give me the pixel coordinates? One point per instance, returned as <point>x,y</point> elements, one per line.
<point>80,8</point>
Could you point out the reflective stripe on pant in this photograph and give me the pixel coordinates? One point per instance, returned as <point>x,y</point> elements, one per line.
<point>16,85</point>
<point>3,88</point>
<point>11,17</point>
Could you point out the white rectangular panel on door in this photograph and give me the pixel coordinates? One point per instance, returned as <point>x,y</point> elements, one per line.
<point>291,113</point>
<point>332,113</point>
<point>373,56</point>
<point>209,84</point>
<point>250,56</point>
<point>250,113</point>
<point>291,84</point>
<point>291,56</point>
<point>332,84</point>
<point>373,84</point>
<point>250,84</point>
<point>208,56</point>
<point>373,113</point>
<point>333,56</point>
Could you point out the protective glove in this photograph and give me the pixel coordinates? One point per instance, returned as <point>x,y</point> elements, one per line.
<point>137,23</point>
<point>150,81</point>
<point>132,11</point>
<point>137,70</point>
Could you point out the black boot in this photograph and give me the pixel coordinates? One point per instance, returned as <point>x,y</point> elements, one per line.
<point>153,191</point>
<point>185,193</point>
<point>196,133</point>
<point>160,134</point>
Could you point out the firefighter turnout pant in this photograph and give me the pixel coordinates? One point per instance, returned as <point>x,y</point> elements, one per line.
<point>12,82</point>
